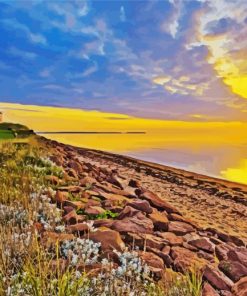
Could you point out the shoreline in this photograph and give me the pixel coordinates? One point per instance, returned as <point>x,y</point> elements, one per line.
<point>209,202</point>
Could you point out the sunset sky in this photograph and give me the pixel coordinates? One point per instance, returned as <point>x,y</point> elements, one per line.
<point>181,60</point>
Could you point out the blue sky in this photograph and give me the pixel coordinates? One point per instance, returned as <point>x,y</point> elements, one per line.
<point>161,59</point>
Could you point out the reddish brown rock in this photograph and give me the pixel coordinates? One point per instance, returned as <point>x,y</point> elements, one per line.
<point>103,222</point>
<point>203,244</point>
<point>233,269</point>
<point>238,254</point>
<point>50,238</point>
<point>72,173</point>
<point>176,217</point>
<point>160,220</point>
<point>180,228</point>
<point>163,254</point>
<point>77,204</point>
<point>221,251</point>
<point>109,239</point>
<point>87,181</point>
<point>128,211</point>
<point>240,288</point>
<point>155,263</point>
<point>217,279</point>
<point>158,202</point>
<point>171,238</point>
<point>134,183</point>
<point>94,210</point>
<point>208,290</point>
<point>76,166</point>
<point>73,218</point>
<point>137,224</point>
<point>185,260</point>
<point>72,188</point>
<point>79,228</point>
<point>60,197</point>
<point>141,205</point>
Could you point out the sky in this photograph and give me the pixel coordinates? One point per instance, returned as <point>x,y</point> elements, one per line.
<point>172,60</point>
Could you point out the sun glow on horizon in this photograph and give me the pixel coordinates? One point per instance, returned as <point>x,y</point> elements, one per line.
<point>162,135</point>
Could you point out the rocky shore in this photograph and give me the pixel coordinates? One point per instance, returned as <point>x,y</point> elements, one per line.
<point>177,219</point>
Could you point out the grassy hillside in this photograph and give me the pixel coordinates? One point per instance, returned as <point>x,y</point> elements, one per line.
<point>12,130</point>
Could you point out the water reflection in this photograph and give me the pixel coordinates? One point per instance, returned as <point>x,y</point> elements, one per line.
<point>228,161</point>
<point>212,148</point>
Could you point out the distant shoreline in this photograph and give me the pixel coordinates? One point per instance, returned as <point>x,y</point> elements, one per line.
<point>86,132</point>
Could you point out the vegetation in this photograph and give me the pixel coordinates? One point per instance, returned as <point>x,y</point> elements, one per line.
<point>29,266</point>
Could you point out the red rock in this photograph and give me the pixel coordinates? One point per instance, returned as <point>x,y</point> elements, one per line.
<point>92,202</point>
<point>87,181</point>
<point>103,222</point>
<point>185,260</point>
<point>120,199</point>
<point>60,197</point>
<point>50,238</point>
<point>240,288</point>
<point>208,290</point>
<point>72,188</point>
<point>233,269</point>
<point>76,166</point>
<point>141,205</point>
<point>203,244</point>
<point>57,159</point>
<point>171,238</point>
<point>72,173</point>
<point>180,228</point>
<point>230,239</point>
<point>176,217</point>
<point>67,209</point>
<point>238,254</point>
<point>137,224</point>
<point>77,204</point>
<point>155,263</point>
<point>94,210</point>
<point>73,218</point>
<point>153,241</point>
<point>221,251</point>
<point>114,179</point>
<point>164,255</point>
<point>134,183</point>
<point>109,239</point>
<point>79,228</point>
<point>160,220</point>
<point>158,202</point>
<point>217,279</point>
<point>128,211</point>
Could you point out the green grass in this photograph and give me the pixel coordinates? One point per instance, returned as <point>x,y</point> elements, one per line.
<point>6,135</point>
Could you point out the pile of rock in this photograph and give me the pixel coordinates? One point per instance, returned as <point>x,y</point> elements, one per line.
<point>143,219</point>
